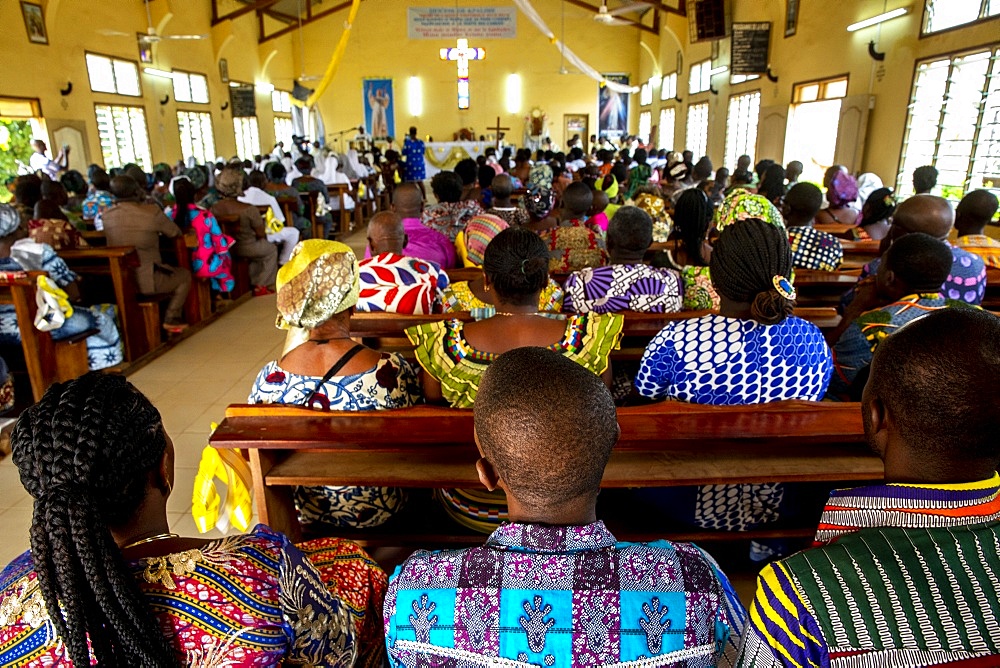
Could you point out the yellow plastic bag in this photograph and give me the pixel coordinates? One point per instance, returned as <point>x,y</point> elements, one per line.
<point>209,509</point>
<point>271,222</point>
<point>53,305</point>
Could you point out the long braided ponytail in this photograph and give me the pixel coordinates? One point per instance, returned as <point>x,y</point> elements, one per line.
<point>745,260</point>
<point>84,453</point>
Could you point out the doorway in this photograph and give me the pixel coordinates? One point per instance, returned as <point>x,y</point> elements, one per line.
<point>576,125</point>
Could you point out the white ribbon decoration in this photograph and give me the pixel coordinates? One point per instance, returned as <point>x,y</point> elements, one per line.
<point>528,10</point>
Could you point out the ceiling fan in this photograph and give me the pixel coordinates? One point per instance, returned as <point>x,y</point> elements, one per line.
<point>151,36</point>
<point>610,17</point>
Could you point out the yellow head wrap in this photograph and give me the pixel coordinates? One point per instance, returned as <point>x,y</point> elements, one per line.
<point>319,281</point>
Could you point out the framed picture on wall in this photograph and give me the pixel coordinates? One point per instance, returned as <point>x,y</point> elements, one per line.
<point>576,125</point>
<point>34,22</point>
<point>791,17</point>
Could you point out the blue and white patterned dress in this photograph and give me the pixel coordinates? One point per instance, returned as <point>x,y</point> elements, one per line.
<point>730,361</point>
<point>104,349</point>
<point>391,383</point>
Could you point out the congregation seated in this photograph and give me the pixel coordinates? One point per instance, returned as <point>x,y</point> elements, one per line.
<point>18,253</point>
<point>52,197</point>
<point>753,351</point>
<point>876,216</point>
<point>841,193</point>
<point>934,216</point>
<point>305,182</point>
<point>423,242</point>
<point>390,280</point>
<point>905,287</point>
<point>502,188</point>
<point>540,202</point>
<point>625,283</point>
<point>210,257</point>
<point>276,186</point>
<point>973,214</point>
<point>468,171</point>
<point>285,236</point>
<point>451,213</point>
<point>27,192</point>
<point>105,580</point>
<point>638,175</point>
<point>902,573</point>
<point>772,185</point>
<point>811,248</point>
<point>322,368</point>
<point>454,354</point>
<point>575,243</point>
<point>132,222</point>
<point>540,174</point>
<point>251,235</point>
<point>553,587</point>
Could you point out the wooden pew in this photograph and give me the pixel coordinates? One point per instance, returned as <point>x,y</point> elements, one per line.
<point>46,361</point>
<point>342,193</point>
<point>241,266</point>
<point>661,445</point>
<point>176,252</point>
<point>858,253</point>
<point>111,277</point>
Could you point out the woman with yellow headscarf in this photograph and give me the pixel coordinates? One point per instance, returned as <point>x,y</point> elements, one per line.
<point>323,369</point>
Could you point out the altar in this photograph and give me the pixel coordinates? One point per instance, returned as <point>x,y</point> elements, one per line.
<point>444,155</point>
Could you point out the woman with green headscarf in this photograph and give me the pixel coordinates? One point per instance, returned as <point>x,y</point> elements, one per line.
<point>323,369</point>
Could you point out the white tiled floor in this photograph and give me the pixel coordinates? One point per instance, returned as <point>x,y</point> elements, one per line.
<point>191,385</point>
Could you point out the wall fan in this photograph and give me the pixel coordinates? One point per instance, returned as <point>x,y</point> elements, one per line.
<point>610,17</point>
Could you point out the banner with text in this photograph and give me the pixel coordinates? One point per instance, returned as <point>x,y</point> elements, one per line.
<point>467,22</point>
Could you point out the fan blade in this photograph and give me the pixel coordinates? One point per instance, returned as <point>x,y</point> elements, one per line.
<point>183,37</point>
<point>608,20</point>
<point>114,33</point>
<point>634,7</point>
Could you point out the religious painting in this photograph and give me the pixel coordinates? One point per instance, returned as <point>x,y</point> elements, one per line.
<point>791,17</point>
<point>34,22</point>
<point>379,110</point>
<point>575,125</point>
<point>612,119</point>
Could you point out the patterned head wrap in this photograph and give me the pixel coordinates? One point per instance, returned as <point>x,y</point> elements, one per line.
<point>175,180</point>
<point>229,182</point>
<point>539,202</point>
<point>197,177</point>
<point>319,281</point>
<point>479,232</point>
<point>655,206</point>
<point>842,191</point>
<point>10,220</point>
<point>741,205</point>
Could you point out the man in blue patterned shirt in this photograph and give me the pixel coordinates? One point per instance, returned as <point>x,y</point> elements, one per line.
<point>553,587</point>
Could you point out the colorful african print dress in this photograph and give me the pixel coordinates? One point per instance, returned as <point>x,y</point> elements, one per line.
<point>966,281</point>
<point>814,249</point>
<point>248,600</point>
<point>856,347</point>
<point>458,297</point>
<point>450,218</point>
<point>444,353</point>
<point>623,287</point>
<point>904,575</point>
<point>398,284</point>
<point>210,257</point>
<point>985,247</point>
<point>391,383</point>
<point>562,597</point>
<point>732,362</point>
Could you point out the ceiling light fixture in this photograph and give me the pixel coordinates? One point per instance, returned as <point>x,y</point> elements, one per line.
<point>875,20</point>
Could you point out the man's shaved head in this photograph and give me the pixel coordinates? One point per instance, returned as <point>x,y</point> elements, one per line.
<point>502,186</point>
<point>547,425</point>
<point>924,213</point>
<point>385,233</point>
<point>407,200</point>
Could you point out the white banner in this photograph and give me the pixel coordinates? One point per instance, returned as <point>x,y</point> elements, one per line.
<point>468,22</point>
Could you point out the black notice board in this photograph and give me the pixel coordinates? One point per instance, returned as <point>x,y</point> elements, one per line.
<point>750,46</point>
<point>243,100</point>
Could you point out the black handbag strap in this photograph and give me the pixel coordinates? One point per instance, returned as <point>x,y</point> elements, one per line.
<point>337,366</point>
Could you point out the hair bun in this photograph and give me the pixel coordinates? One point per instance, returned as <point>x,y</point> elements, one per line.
<point>770,308</point>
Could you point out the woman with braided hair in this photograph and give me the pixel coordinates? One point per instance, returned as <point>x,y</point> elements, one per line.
<point>106,581</point>
<point>753,351</point>
<point>693,222</point>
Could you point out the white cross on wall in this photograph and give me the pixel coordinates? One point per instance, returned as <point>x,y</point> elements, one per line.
<point>462,54</point>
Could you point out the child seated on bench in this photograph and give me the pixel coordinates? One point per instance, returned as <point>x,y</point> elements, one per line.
<point>553,587</point>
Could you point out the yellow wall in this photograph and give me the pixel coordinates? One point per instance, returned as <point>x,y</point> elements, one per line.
<point>821,48</point>
<point>379,47</point>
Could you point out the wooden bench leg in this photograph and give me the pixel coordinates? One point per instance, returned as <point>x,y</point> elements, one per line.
<point>151,322</point>
<point>71,360</point>
<point>275,505</point>
<point>202,290</point>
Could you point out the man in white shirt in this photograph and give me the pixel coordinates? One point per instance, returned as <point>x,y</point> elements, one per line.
<point>40,162</point>
<point>287,236</point>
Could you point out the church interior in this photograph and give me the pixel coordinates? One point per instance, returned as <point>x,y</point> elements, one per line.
<point>653,95</point>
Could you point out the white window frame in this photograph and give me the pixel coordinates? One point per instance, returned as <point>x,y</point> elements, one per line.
<point>742,123</point>
<point>247,134</point>
<point>283,131</point>
<point>130,139</point>
<point>196,135</point>
<point>700,77</point>
<point>668,87</point>
<point>281,102</point>
<point>185,89</point>
<point>963,120</point>
<point>646,94</point>
<point>974,10</point>
<point>696,130</point>
<point>645,126</point>
<point>742,78</point>
<point>668,117</point>
<point>118,66</point>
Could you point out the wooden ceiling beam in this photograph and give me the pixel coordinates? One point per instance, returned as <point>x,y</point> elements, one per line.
<point>236,13</point>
